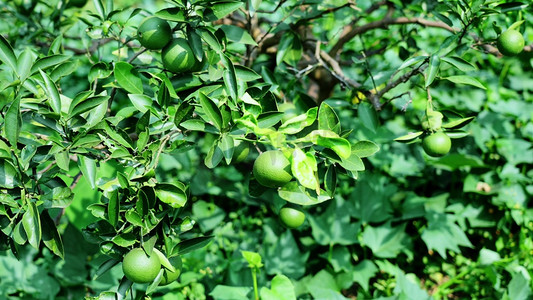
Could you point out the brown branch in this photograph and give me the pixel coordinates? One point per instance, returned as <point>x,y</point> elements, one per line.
<point>384,23</point>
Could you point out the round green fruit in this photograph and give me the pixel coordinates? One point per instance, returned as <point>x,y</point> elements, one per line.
<point>169,276</point>
<point>177,56</point>
<point>76,3</point>
<point>139,267</point>
<point>154,33</point>
<point>272,169</point>
<point>511,42</point>
<point>291,217</point>
<point>437,144</point>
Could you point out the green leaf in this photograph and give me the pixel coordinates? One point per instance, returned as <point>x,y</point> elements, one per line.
<point>290,49</point>
<point>199,125</point>
<point>214,156</point>
<point>196,43</point>
<point>226,292</point>
<point>519,286</point>
<point>303,167</point>
<point>220,10</point>
<point>459,63</point>
<point>113,208</point>
<point>52,93</point>
<point>24,63</point>
<point>174,14</point>
<point>210,39</point>
<point>281,288</point>
<point>58,197</point>
<point>328,119</point>
<point>88,169</point>
<point>32,225</point>
<point>48,62</point>
<point>87,105</point>
<point>433,69</point>
<point>253,259</point>
<point>141,102</point>
<point>297,194</point>
<point>238,35</point>
<point>230,79</point>
<point>9,176</point>
<point>13,123</point>
<point>368,116</point>
<point>353,163</point>
<point>455,124</point>
<point>364,148</point>
<point>7,55</point>
<point>99,8</point>
<point>442,234</point>
<point>211,110</point>
<point>128,78</point>
<point>171,194</point>
<point>190,245</point>
<point>411,61</point>
<point>329,140</point>
<point>183,110</point>
<point>330,180</point>
<point>51,237</point>
<point>386,241</point>
<point>334,225</point>
<point>246,74</point>
<point>298,123</point>
<point>463,79</point>
<point>226,145</point>
<point>409,137</point>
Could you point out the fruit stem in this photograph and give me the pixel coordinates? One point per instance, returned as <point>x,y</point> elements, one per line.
<point>254,277</point>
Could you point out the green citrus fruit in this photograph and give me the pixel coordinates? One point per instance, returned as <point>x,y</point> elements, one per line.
<point>432,121</point>
<point>169,276</point>
<point>437,144</point>
<point>139,267</point>
<point>154,33</point>
<point>76,3</point>
<point>510,42</point>
<point>291,217</point>
<point>272,169</point>
<point>177,56</point>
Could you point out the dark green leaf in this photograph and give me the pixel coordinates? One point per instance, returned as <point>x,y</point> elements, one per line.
<point>210,39</point>
<point>220,10</point>
<point>191,245</point>
<point>9,176</point>
<point>48,62</point>
<point>211,110</point>
<point>433,69</point>
<point>7,55</point>
<point>88,169</point>
<point>368,116</point>
<point>32,225</point>
<point>87,105</point>
<point>463,79</point>
<point>230,79</point>
<point>51,237</point>
<point>364,148</point>
<point>174,14</point>
<point>13,122</point>
<point>52,93</point>
<point>24,63</point>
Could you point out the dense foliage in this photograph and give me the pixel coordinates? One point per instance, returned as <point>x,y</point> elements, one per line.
<point>398,128</point>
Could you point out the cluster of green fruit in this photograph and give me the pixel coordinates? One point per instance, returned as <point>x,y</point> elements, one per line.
<point>139,267</point>
<point>176,53</point>
<point>272,169</point>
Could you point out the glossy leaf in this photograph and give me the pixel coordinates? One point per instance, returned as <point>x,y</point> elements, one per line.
<point>295,193</point>
<point>409,137</point>
<point>189,245</point>
<point>128,78</point>
<point>434,65</point>
<point>51,92</point>
<point>32,225</point>
<point>211,110</point>
<point>51,237</point>
<point>9,176</point>
<point>303,167</point>
<point>463,79</point>
<point>221,9</point>
<point>13,122</point>
<point>174,14</point>
<point>328,119</point>
<point>7,55</point>
<point>365,148</point>
<point>230,79</point>
<point>88,169</point>
<point>171,194</point>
